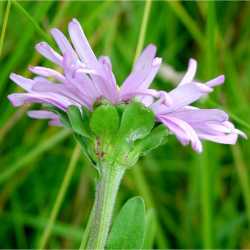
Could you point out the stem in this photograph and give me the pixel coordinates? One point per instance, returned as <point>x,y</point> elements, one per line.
<point>106,192</point>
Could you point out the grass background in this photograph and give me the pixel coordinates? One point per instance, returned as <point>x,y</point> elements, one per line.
<point>193,201</point>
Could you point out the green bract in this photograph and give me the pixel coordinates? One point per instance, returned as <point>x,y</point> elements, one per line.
<point>117,134</point>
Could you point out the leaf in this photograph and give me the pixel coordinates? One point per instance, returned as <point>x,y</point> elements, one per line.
<point>150,229</point>
<point>77,121</point>
<point>129,226</point>
<point>104,121</point>
<point>136,122</point>
<point>157,137</point>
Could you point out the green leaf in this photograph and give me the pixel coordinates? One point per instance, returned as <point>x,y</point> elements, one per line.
<point>129,226</point>
<point>136,123</point>
<point>157,137</point>
<point>77,121</point>
<point>104,122</point>
<point>150,229</point>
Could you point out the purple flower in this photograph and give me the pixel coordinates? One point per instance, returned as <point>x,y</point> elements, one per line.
<point>84,79</point>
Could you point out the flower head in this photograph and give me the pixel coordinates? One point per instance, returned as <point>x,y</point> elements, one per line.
<point>84,79</point>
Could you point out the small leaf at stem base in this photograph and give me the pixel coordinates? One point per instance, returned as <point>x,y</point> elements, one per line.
<point>128,229</point>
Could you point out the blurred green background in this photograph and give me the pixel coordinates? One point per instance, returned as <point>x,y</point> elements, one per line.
<point>194,201</point>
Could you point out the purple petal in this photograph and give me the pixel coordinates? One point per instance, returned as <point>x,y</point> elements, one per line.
<point>55,122</point>
<point>21,81</point>
<point>145,58</point>
<point>216,81</point>
<point>146,92</point>
<point>200,115</point>
<point>85,85</point>
<point>110,80</point>
<point>44,85</point>
<point>183,131</point>
<point>146,100</point>
<point>81,44</point>
<point>47,72</point>
<point>56,100</point>
<point>189,76</point>
<point>44,49</point>
<point>63,43</point>
<point>223,139</point>
<point>185,94</point>
<point>151,75</point>
<point>141,78</point>
<point>42,114</point>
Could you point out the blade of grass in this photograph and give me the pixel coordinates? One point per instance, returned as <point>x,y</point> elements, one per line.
<point>33,21</point>
<point>143,28</point>
<point>184,17</point>
<point>40,11</point>
<point>144,190</point>
<point>5,22</point>
<point>60,196</point>
<point>243,177</point>
<point>41,148</point>
<point>206,165</point>
<point>86,232</point>
<point>58,229</point>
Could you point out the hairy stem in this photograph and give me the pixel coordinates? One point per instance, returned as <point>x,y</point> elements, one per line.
<point>106,192</point>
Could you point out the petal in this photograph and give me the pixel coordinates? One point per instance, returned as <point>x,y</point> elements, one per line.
<point>201,115</point>
<point>189,76</point>
<point>146,100</point>
<point>47,72</point>
<point>110,80</point>
<point>145,58</point>
<point>85,85</point>
<point>63,43</point>
<point>59,101</point>
<point>55,122</point>
<point>146,92</point>
<point>21,81</point>
<point>185,94</point>
<point>44,49</point>
<point>44,85</point>
<point>223,139</point>
<point>42,114</point>
<point>186,129</point>
<point>81,44</point>
<point>141,79</point>
<point>216,81</point>
<point>151,75</point>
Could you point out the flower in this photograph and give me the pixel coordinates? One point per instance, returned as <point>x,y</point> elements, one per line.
<point>84,79</point>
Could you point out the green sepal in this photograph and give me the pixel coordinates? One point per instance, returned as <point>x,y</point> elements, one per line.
<point>136,122</point>
<point>129,226</point>
<point>157,137</point>
<point>78,122</point>
<point>87,146</point>
<point>104,122</point>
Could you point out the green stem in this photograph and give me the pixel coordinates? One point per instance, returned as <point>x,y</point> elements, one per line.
<point>106,192</point>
